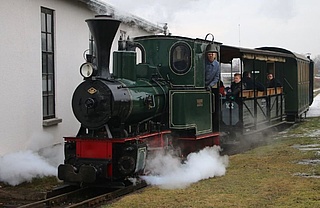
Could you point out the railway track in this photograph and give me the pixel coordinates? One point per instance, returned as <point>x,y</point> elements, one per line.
<point>256,139</point>
<point>93,197</point>
<point>85,197</point>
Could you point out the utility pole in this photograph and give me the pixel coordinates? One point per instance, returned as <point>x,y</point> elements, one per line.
<point>239,35</point>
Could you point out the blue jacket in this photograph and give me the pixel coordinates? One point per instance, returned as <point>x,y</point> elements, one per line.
<point>212,73</point>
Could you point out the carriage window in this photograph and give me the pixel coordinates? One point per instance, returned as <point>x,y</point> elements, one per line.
<point>229,69</point>
<point>180,58</point>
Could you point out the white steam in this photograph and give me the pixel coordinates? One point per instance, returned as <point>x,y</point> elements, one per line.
<point>168,172</point>
<point>23,166</point>
<point>40,160</point>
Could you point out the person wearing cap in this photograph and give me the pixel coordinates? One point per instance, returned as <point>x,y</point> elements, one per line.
<point>272,82</point>
<point>212,70</point>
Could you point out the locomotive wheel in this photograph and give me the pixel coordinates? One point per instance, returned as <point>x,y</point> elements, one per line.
<point>126,165</point>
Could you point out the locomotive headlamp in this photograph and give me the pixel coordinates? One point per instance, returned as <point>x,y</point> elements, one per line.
<point>86,70</point>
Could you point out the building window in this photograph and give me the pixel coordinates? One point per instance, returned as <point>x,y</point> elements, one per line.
<point>47,46</point>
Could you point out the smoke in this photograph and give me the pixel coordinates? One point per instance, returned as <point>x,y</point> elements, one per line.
<point>104,7</point>
<point>39,160</point>
<point>44,145</point>
<point>23,166</point>
<point>167,171</point>
<point>165,10</point>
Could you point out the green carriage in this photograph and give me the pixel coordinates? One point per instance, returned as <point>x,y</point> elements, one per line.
<point>297,79</point>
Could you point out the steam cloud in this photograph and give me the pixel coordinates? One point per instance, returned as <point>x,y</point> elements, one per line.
<point>168,172</point>
<point>40,160</point>
<point>23,166</point>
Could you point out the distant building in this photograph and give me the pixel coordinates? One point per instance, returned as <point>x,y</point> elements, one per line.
<point>42,46</point>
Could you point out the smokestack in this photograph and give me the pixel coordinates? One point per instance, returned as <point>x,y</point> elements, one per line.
<point>103,29</point>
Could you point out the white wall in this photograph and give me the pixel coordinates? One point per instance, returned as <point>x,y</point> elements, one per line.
<point>20,65</point>
<point>21,79</point>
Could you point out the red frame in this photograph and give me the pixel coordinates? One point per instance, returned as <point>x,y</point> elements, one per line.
<point>94,148</point>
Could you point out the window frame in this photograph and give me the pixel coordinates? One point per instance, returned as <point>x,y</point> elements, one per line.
<point>173,58</point>
<point>48,63</point>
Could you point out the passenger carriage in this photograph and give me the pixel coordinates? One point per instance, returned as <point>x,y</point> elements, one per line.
<point>252,110</point>
<point>297,78</point>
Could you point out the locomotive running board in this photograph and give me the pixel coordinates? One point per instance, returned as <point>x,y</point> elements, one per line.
<point>198,137</point>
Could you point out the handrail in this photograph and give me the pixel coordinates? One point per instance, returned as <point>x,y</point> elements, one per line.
<point>255,93</point>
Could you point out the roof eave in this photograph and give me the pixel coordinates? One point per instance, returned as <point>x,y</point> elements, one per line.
<point>103,8</point>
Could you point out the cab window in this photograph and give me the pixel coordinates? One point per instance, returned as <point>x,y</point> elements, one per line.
<point>180,58</point>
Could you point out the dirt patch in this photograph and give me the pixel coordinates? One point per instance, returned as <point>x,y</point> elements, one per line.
<point>36,190</point>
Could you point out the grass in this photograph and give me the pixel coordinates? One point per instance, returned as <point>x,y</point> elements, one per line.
<point>263,177</point>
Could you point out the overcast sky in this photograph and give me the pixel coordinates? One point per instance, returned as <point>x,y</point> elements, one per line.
<point>290,24</point>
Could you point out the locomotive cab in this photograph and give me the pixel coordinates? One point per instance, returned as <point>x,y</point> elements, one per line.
<point>193,110</point>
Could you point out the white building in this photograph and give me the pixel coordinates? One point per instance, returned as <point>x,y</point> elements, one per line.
<point>42,45</point>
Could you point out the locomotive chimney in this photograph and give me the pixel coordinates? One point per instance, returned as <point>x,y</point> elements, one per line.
<point>103,29</point>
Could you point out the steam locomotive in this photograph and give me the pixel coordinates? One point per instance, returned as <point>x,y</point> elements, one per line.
<point>160,102</point>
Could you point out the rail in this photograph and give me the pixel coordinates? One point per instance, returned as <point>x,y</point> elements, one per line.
<point>85,197</point>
